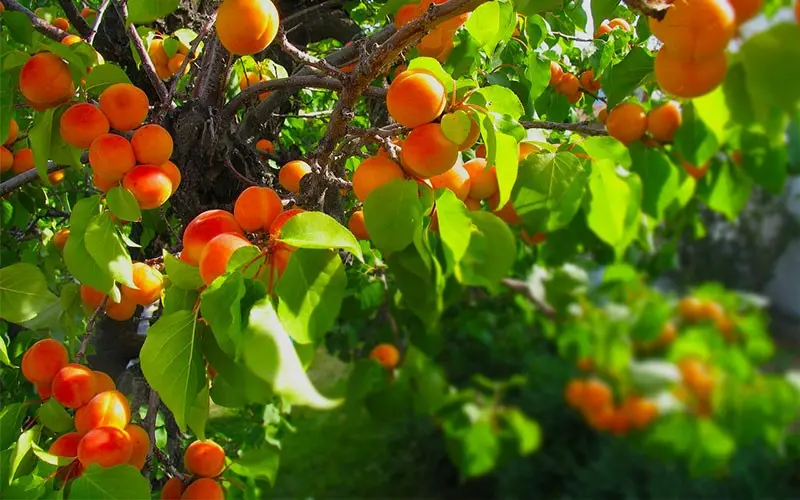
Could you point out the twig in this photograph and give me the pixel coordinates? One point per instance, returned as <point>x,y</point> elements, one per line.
<point>522,288</point>
<point>167,464</point>
<point>585,128</point>
<point>306,58</point>
<point>20,180</point>
<point>98,18</point>
<point>239,175</point>
<point>89,327</point>
<point>647,9</point>
<point>147,64</point>
<point>40,24</point>
<point>311,114</point>
<point>307,10</point>
<point>592,94</point>
<point>149,423</point>
<point>75,17</point>
<point>570,37</point>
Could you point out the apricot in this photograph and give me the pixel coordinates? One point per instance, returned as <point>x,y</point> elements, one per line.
<point>663,121</point>
<point>427,151</point>
<point>568,85</point>
<point>696,377</point>
<point>203,489</point>
<point>385,354</point>
<point>56,177</point>
<point>556,74</point>
<point>149,284</point>
<point>373,173</point>
<point>415,98</point>
<point>280,220</point>
<point>472,136</point>
<point>106,409</point>
<point>690,309</point>
<point>406,14</point>
<point>533,239</point>
<point>43,360</point>
<point>149,184</point>
<point>158,55</point>
<point>689,78</point>
<point>620,23</point>
<point>290,174</point>
<point>472,204</point>
<point>693,170</point>
<point>574,97</point>
<point>602,115</point>
<point>71,40</point>
<point>125,105</point>
<point>526,149</point>
<point>640,412</point>
<point>744,10</point>
<point>105,446</point>
<point>173,173</point>
<point>45,390</point>
<point>279,258</point>
<point>45,80</point>
<point>574,393</point>
<point>696,29</point>
<point>60,239</point>
<point>245,27</point>
<point>175,63</point>
<point>82,123</point>
<point>357,226</point>
<point>432,44</point>
<point>111,156</point>
<point>90,297</point>
<point>172,489</point>
<point>66,445</point>
<point>249,78</point>
<point>601,419</point>
<point>619,424</point>
<point>23,161</point>
<point>217,253</point>
<point>204,458</point>
<point>265,145</point>
<point>61,23</point>
<point>152,144</point>
<point>89,14</point>
<point>256,208</point>
<point>456,179</point>
<point>73,386</point>
<point>13,132</point>
<point>483,181</point>
<point>6,160</point>
<point>627,122</point>
<point>596,395</point>
<point>103,382</point>
<point>603,29</point>
<point>588,82</point>
<point>122,310</point>
<point>141,442</point>
<point>104,184</point>
<point>203,229</point>
<point>506,213</point>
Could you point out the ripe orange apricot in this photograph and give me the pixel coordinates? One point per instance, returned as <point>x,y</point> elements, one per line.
<point>472,136</point>
<point>23,161</point>
<point>73,386</point>
<point>111,156</point>
<point>122,310</point>
<point>280,220</point>
<point>602,418</point>
<point>472,204</point>
<point>619,423</point>
<point>620,23</point>
<point>71,40</point>
<point>696,29</point>
<point>173,173</point>
<point>175,63</point>
<point>149,284</point>
<point>265,145</point>
<point>604,28</point>
<point>90,297</point>
<point>256,208</point>
<point>627,122</point>
<point>602,115</point>
<point>141,442</point>
<point>534,239</point>
<point>526,149</point>
<point>506,213</point>
<point>172,490</point>
<point>106,409</point>
<point>87,12</point>
<point>203,489</point>
<point>574,393</point>
<point>6,160</point>
<point>415,97</point>
<point>640,412</point>
<point>456,179</point>
<point>663,121</point>
<point>588,82</point>
<point>203,229</point>
<point>61,23</point>
<point>696,377</point>
<point>60,238</point>
<point>217,253</point>
<point>152,144</point>
<point>278,260</point>
<point>45,80</point>
<point>483,181</point>
<point>556,74</point>
<point>694,170</point>
<point>157,53</point>
<point>103,382</point>
<point>13,132</point>
<point>689,78</point>
<point>245,27</point>
<point>290,174</point>
<point>568,85</point>
<point>744,10</point>
<point>204,458</point>
<point>690,309</point>
<point>373,173</point>
<point>356,225</point>
<point>66,445</point>
<point>596,395</point>
<point>427,152</point>
<point>149,184</point>
<point>44,390</point>
<point>82,123</point>
<point>56,177</point>
<point>406,14</point>
<point>105,446</point>
<point>104,184</point>
<point>125,105</point>
<point>385,354</point>
<point>43,360</point>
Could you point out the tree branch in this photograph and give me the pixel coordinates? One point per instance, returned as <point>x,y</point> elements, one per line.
<point>149,424</point>
<point>147,64</point>
<point>75,17</point>
<point>40,24</point>
<point>238,174</point>
<point>656,10</point>
<point>585,128</point>
<point>308,10</point>
<point>306,58</point>
<point>20,180</point>
<point>522,288</point>
<point>89,327</point>
<point>98,18</point>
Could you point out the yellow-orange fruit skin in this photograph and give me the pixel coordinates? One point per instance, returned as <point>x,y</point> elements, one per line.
<point>173,172</point>
<point>6,160</point>
<point>105,446</point>
<point>111,156</point>
<point>87,12</point>
<point>256,208</point>
<point>71,40</point>
<point>175,62</point>
<point>60,239</point>
<point>506,212</point>
<point>472,136</point>
<point>73,386</point>
<point>385,354</point>
<point>106,409</point>
<point>663,121</point>
<point>149,284</point>
<point>203,489</point>
<point>588,82</point>
<point>149,184</point>
<point>203,229</point>
<point>483,181</point>
<point>246,27</point>
<point>556,73</point>
<point>456,179</point>
<point>157,53</point>
<point>689,78</point>
<point>90,297</point>
<point>43,360</point>
<point>66,445</point>
<point>122,310</point>
<point>103,382</point>
<point>140,443</point>
<point>104,184</point>
<point>415,98</point>
<point>45,80</point>
<point>56,177</point>
<point>125,105</point>
<point>172,490</point>
<point>23,161</point>
<point>744,10</point>
<point>627,122</point>
<point>82,123</point>
<point>61,23</point>
<point>204,458</point>
<point>696,28</point>
<point>526,149</point>
<point>427,152</point>
<point>357,226</point>
<point>152,144</point>
<point>373,173</point>
<point>13,132</point>
<point>618,22</point>
<point>568,85</point>
<point>472,205</point>
<point>217,253</point>
<point>696,172</point>
<point>280,220</point>
<point>290,174</point>
<point>265,145</point>
<point>406,14</point>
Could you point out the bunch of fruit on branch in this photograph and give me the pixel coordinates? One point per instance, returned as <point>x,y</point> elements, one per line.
<point>439,42</point>
<point>205,462</point>
<point>168,55</point>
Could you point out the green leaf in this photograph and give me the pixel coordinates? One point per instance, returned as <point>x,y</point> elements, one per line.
<point>147,11</point>
<point>23,292</point>
<point>54,416</point>
<point>418,276</point>
<point>491,23</point>
<point>491,252</point>
<point>764,162</point>
<point>506,162</point>
<point>714,447</point>
<point>11,417</point>
<point>769,75</point>
<point>532,7</point>
<point>473,446</point>
<point>455,227</point>
<point>77,258</point>
<point>177,299</point>
<point>538,75</point>
<point>269,353</point>
<point>527,431</point>
<point>4,350</point>
<point>221,307</point>
<point>258,463</point>
<point>622,79</point>
<point>695,142</point>
<point>26,487</point>
<point>606,148</point>
<point>435,67</point>
<point>108,250</point>
<point>726,190</point>
<point>103,76</point>
<point>19,26</point>
<point>501,100</point>
<point>41,137</point>
<point>122,482</point>
<point>712,110</point>
<point>123,204</point>
<point>319,230</point>
<point>241,386</point>
<point>613,207</point>
<point>311,293</point>
<point>393,215</point>
<point>602,10</point>
<point>24,448</point>
<point>660,179</point>
<point>182,274</point>
<point>456,126</point>
<point>49,458</point>
<point>197,415</point>
<point>172,362</point>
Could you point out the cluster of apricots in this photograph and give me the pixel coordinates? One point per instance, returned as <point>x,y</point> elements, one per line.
<point>595,400</point>
<point>165,65</point>
<point>250,78</point>
<point>439,42</point>
<point>386,354</point>
<point>149,286</point>
<point>204,461</point>
<point>20,160</point>
<point>697,386</point>
<point>103,433</point>
<point>694,310</point>
<point>266,146</point>
<point>607,26</point>
<point>570,85</point>
<point>246,27</point>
